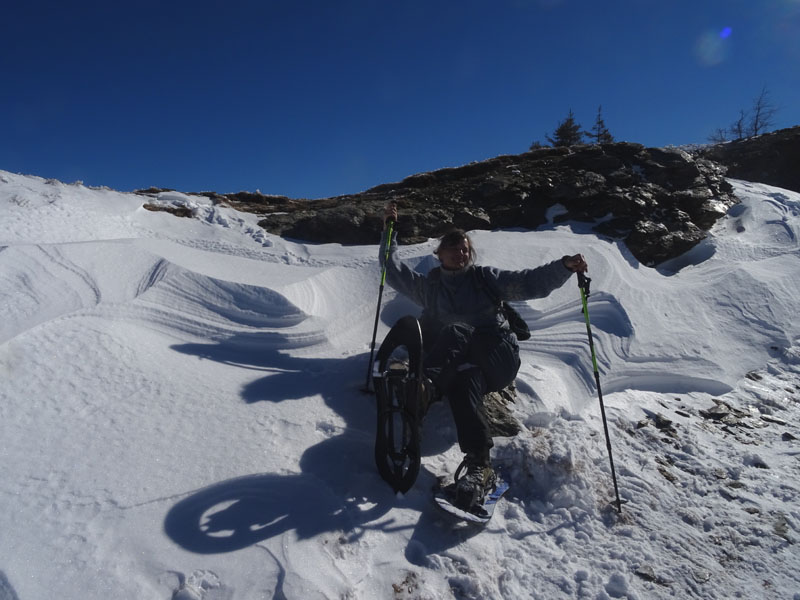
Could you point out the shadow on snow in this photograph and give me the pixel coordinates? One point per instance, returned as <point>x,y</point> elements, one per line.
<point>338,487</point>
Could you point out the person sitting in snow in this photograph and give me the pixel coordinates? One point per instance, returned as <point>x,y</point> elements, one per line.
<point>469,347</point>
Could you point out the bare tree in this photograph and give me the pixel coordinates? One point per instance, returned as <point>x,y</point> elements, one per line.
<point>739,128</point>
<point>758,120</point>
<point>763,112</point>
<point>718,136</point>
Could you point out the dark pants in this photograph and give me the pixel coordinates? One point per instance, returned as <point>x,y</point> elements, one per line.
<point>465,365</point>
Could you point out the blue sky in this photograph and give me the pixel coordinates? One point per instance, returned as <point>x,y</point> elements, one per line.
<point>316,98</point>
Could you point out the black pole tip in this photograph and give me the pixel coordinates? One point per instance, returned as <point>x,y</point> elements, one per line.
<point>583,283</point>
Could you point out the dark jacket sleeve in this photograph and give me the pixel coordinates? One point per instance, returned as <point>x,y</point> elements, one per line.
<point>527,284</point>
<point>400,277</point>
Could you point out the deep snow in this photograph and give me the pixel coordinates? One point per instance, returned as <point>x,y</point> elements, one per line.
<point>181,416</point>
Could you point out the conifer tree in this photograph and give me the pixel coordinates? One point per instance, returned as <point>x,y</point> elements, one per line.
<point>600,133</point>
<point>568,132</point>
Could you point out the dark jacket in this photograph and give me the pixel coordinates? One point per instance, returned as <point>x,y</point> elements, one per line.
<point>459,296</point>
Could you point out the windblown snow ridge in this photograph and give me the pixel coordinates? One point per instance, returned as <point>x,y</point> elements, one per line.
<point>47,283</point>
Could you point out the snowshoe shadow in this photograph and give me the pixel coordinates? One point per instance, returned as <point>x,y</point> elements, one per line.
<point>337,488</point>
<point>241,512</point>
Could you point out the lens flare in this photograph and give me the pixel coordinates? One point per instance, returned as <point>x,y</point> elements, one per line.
<point>725,33</point>
<point>711,48</point>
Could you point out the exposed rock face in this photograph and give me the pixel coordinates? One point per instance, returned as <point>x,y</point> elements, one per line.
<point>660,201</point>
<point>502,422</point>
<point>772,158</point>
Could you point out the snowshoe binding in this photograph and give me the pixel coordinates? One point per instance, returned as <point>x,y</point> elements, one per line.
<point>475,493</point>
<point>474,479</point>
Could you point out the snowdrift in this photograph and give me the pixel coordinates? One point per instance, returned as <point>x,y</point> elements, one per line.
<point>181,416</point>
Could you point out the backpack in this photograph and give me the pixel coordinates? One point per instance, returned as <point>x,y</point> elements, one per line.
<point>516,323</point>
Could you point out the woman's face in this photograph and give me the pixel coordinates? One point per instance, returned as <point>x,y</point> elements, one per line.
<point>455,257</point>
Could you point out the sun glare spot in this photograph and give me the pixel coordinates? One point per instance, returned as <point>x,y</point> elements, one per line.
<point>711,48</point>
<point>725,33</point>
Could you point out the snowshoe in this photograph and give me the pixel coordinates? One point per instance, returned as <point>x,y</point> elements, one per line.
<point>481,511</point>
<point>401,390</point>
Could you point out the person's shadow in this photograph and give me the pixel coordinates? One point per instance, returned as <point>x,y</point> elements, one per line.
<point>338,487</point>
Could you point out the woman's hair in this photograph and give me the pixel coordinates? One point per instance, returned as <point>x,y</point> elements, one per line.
<point>453,238</point>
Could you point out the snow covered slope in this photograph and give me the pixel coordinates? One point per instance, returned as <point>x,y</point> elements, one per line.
<point>180,414</point>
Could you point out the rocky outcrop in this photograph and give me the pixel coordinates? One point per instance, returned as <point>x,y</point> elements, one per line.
<point>659,201</point>
<point>501,419</point>
<point>771,158</point>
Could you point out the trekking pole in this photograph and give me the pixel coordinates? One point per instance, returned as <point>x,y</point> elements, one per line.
<point>389,226</point>
<point>583,284</point>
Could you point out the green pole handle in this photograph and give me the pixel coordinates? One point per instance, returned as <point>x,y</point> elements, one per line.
<point>389,229</point>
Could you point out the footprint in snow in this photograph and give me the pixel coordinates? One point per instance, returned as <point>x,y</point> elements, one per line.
<point>197,586</point>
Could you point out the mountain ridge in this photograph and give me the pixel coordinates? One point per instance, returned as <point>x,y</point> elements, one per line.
<point>660,201</point>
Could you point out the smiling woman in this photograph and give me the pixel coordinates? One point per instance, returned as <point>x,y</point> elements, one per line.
<point>455,250</point>
<point>469,346</point>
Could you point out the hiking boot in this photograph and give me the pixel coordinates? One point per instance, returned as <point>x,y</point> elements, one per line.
<point>477,480</point>
<point>397,365</point>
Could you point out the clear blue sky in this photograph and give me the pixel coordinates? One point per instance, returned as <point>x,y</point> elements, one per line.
<point>315,98</point>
